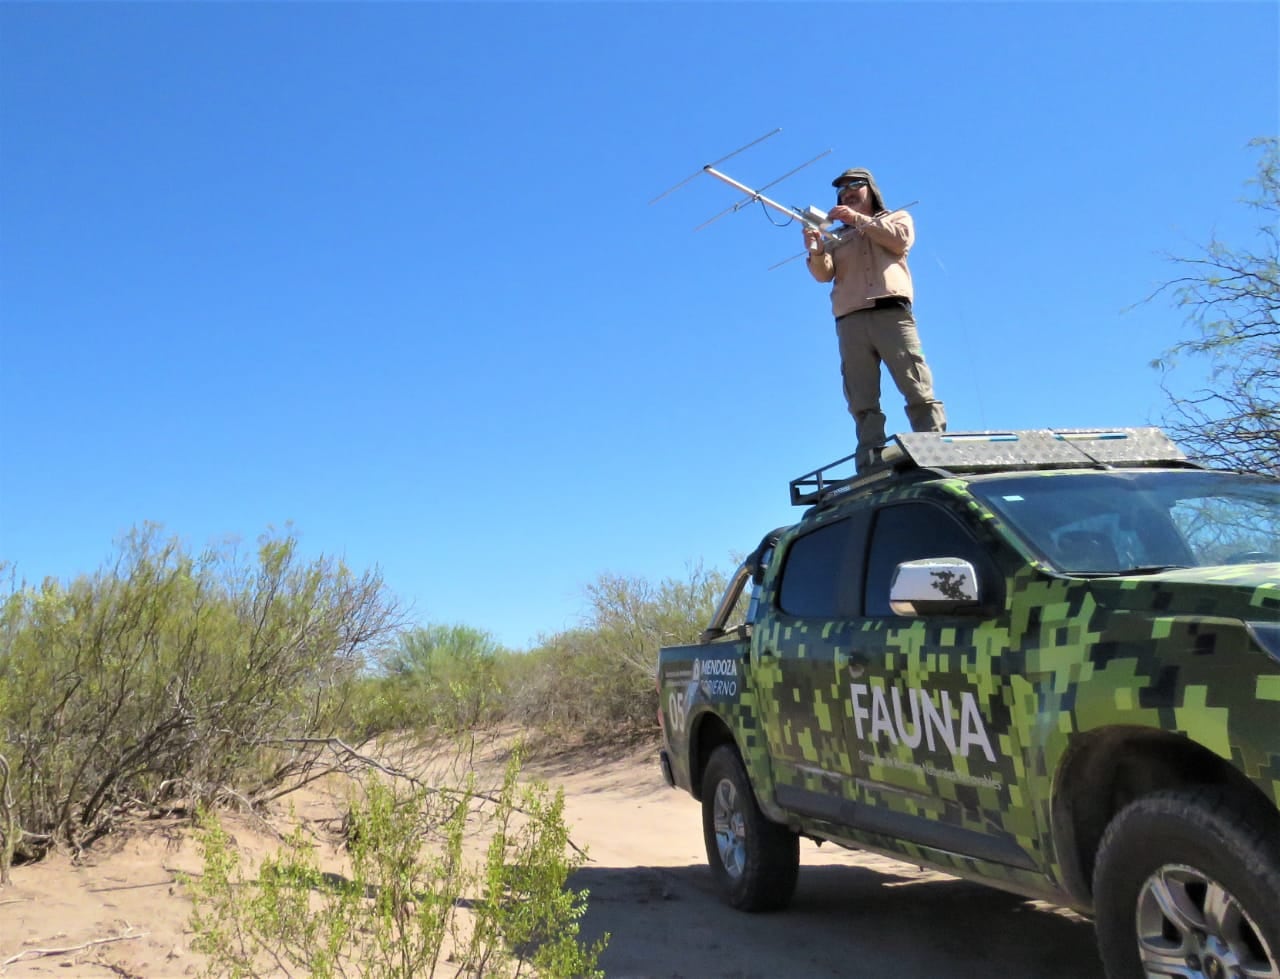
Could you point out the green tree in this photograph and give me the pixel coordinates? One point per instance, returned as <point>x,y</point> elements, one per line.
<point>431,649</point>
<point>1232,297</point>
<point>439,675</point>
<point>635,617</point>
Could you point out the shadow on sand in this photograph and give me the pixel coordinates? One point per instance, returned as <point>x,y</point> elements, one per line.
<point>668,923</point>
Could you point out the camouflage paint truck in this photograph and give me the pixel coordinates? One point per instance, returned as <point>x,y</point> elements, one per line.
<point>1045,660</point>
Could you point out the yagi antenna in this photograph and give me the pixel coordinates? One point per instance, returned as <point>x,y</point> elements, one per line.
<point>755,195</point>
<point>810,217</point>
<point>713,163</point>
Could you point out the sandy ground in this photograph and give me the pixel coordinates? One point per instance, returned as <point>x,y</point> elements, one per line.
<point>854,915</point>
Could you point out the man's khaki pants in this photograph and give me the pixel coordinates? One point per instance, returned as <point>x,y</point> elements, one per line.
<point>867,338</point>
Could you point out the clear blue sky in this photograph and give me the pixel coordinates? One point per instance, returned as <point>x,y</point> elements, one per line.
<point>389,272</point>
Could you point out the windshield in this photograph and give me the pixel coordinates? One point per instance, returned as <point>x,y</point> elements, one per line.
<point>1124,522</point>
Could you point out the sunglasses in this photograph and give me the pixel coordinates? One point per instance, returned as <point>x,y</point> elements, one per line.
<point>851,185</point>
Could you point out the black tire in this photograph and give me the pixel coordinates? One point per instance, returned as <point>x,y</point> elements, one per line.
<point>754,860</point>
<point>1166,857</point>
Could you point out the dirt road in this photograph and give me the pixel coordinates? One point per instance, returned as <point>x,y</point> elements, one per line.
<point>854,915</point>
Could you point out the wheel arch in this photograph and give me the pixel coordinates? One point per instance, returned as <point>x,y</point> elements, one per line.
<point>708,733</point>
<point>1105,770</point>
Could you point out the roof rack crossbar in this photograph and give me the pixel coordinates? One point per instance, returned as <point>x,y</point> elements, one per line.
<point>999,451</point>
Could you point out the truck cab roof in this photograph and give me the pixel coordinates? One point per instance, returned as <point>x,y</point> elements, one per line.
<point>931,455</point>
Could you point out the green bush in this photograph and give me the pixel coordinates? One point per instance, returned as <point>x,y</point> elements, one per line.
<point>167,679</point>
<point>159,679</point>
<point>633,618</point>
<point>593,682</point>
<point>575,686</point>
<point>442,677</point>
<point>597,682</point>
<point>407,901</point>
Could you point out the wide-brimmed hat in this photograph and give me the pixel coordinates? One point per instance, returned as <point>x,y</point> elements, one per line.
<point>858,174</point>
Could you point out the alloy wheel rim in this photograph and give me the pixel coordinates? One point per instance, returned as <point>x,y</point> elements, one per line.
<point>1190,926</point>
<point>730,829</point>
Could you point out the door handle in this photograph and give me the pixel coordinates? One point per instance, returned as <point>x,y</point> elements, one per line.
<point>855,663</point>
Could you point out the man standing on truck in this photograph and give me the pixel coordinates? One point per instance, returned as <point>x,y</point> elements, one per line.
<point>871,299</point>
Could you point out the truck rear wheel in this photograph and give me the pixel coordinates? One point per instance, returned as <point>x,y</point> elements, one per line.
<point>1186,884</point>
<point>755,861</point>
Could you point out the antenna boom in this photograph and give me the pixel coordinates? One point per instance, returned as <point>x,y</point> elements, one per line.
<point>715,163</point>
<point>751,200</point>
<point>755,195</point>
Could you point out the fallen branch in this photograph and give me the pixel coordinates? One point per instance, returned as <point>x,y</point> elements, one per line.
<point>38,953</point>
<point>346,753</point>
<point>131,887</point>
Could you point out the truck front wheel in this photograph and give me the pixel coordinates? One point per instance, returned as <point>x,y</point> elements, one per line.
<point>1187,884</point>
<point>755,861</point>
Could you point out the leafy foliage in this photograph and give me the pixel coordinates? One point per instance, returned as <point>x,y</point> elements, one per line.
<point>593,682</point>
<point>156,680</point>
<point>413,897</point>
<point>575,685</point>
<point>597,681</point>
<point>442,676</point>
<point>1232,296</point>
<point>633,618</point>
<point>167,680</point>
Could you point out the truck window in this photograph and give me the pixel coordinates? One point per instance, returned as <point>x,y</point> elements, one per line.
<point>820,578</point>
<point>1190,517</point>
<point>908,532</point>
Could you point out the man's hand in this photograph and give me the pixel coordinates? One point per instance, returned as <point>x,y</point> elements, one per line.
<point>847,215</point>
<point>813,240</point>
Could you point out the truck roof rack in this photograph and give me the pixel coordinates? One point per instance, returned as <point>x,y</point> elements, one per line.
<point>996,451</point>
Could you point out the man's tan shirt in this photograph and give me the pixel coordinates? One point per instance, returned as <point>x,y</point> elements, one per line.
<point>867,264</point>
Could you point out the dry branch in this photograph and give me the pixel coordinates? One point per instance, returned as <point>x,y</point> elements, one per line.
<point>347,754</point>
<point>38,953</point>
<point>8,824</point>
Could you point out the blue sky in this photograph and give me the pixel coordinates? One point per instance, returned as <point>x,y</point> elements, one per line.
<point>388,272</point>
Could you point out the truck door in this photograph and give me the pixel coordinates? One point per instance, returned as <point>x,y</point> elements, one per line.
<point>929,720</point>
<point>801,643</point>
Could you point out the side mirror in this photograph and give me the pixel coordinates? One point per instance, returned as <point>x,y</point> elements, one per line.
<point>933,586</point>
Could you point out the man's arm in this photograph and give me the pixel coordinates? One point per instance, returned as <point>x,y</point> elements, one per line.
<point>894,231</point>
<point>821,267</point>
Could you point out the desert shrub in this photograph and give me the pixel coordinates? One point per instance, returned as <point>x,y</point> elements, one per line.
<point>444,677</point>
<point>160,678</point>
<point>574,686</point>
<point>634,617</point>
<point>597,681</point>
<point>413,897</point>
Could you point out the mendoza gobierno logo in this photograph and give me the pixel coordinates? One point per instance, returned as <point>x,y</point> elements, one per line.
<point>717,677</point>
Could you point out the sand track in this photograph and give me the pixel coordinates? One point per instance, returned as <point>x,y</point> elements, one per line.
<point>854,915</point>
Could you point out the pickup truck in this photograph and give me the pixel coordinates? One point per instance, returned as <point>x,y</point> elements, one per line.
<point>1045,660</point>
